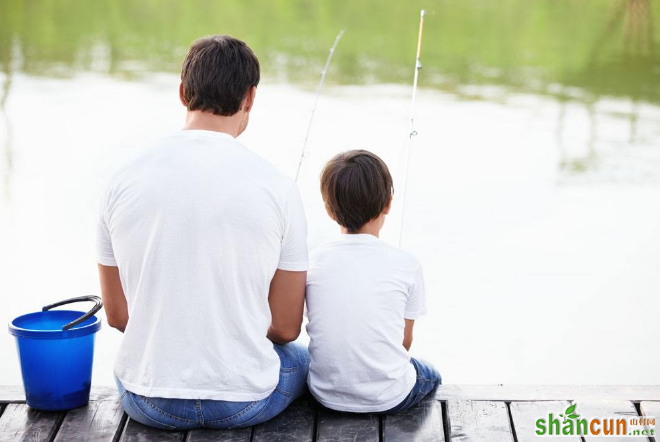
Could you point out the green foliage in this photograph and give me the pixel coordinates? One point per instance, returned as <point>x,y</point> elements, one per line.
<point>541,46</point>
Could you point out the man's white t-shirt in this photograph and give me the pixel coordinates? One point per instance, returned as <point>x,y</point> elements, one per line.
<point>197,227</point>
<point>359,291</point>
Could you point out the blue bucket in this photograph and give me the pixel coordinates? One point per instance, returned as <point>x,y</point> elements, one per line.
<point>56,351</point>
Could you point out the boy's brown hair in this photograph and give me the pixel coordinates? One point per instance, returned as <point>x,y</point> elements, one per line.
<point>356,187</point>
<point>217,74</point>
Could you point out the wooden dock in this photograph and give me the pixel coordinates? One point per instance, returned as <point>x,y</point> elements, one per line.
<point>455,413</point>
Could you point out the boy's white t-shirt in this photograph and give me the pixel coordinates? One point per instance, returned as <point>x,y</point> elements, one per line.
<point>197,227</point>
<point>359,291</point>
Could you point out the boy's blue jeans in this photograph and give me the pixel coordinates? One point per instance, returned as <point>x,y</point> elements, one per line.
<point>428,379</point>
<point>186,414</point>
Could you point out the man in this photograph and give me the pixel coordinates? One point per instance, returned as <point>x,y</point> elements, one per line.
<point>202,256</point>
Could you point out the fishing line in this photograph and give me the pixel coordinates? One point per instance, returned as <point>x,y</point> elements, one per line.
<point>304,152</point>
<point>413,132</point>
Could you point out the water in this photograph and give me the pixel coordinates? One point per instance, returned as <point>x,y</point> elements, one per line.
<point>534,180</point>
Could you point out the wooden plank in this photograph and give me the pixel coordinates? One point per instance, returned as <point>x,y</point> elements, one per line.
<point>207,435</point>
<point>652,409</point>
<point>136,432</point>
<point>15,393</point>
<point>422,423</point>
<point>295,424</point>
<point>479,421</point>
<point>343,427</point>
<point>21,423</point>
<point>608,408</point>
<point>525,414</point>
<point>509,393</point>
<point>11,394</point>
<point>99,421</point>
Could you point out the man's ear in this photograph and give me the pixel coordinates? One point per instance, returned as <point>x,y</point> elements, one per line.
<point>181,97</point>
<point>248,101</point>
<point>386,210</point>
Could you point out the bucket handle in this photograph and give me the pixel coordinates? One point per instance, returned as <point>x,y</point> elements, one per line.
<point>97,306</point>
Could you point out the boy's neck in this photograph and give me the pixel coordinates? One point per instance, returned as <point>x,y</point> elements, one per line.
<point>371,228</point>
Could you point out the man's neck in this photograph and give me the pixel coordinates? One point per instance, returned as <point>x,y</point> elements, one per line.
<point>197,120</point>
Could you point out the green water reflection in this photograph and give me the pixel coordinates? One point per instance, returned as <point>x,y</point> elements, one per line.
<point>550,47</point>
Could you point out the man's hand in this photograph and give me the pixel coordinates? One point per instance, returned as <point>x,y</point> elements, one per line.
<point>287,300</point>
<point>114,301</point>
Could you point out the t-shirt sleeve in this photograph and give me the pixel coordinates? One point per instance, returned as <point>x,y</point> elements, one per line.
<point>416,304</point>
<point>294,254</point>
<point>104,253</point>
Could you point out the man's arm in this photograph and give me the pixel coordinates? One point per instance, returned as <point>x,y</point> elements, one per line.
<point>114,301</point>
<point>287,300</point>
<point>408,333</point>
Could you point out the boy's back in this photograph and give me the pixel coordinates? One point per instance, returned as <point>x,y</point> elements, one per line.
<point>359,291</point>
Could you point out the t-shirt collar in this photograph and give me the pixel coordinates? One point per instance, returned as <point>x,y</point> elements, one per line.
<point>358,237</point>
<point>210,133</point>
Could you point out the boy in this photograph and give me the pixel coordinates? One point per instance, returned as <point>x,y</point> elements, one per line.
<point>363,297</point>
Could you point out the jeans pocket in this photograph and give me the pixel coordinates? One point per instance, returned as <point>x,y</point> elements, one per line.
<point>229,421</point>
<point>253,419</point>
<point>143,414</point>
<point>288,382</point>
<point>426,387</point>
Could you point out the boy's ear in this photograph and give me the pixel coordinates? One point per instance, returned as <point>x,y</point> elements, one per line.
<point>386,211</point>
<point>327,210</point>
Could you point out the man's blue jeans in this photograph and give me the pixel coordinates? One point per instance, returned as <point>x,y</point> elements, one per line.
<point>186,414</point>
<point>428,379</point>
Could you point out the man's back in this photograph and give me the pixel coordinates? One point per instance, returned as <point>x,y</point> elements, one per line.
<point>198,227</point>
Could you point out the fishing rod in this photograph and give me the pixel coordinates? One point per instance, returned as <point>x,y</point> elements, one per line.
<point>303,154</point>
<point>413,132</point>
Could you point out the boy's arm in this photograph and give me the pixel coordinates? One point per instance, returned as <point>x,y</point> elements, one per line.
<point>114,301</point>
<point>415,306</point>
<point>408,333</point>
<point>287,300</point>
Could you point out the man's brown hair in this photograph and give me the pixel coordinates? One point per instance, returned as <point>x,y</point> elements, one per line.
<point>356,187</point>
<point>217,74</point>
